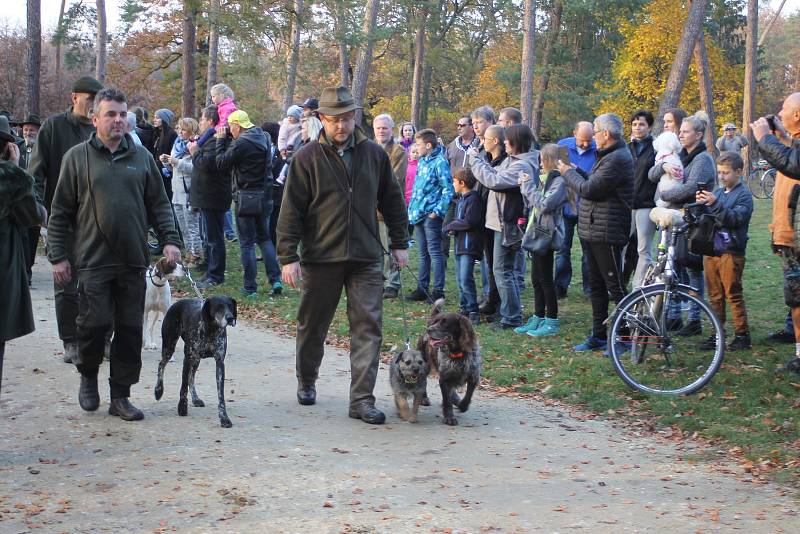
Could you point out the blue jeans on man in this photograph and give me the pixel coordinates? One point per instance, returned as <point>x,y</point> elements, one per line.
<point>506,280</point>
<point>563,275</point>
<point>252,231</point>
<point>465,269</point>
<point>429,238</point>
<point>214,222</point>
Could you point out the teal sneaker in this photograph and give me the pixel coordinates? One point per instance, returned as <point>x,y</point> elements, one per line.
<point>249,295</point>
<point>277,289</point>
<point>548,327</point>
<point>532,324</point>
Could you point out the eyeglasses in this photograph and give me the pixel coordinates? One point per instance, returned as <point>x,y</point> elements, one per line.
<point>490,139</point>
<point>459,125</point>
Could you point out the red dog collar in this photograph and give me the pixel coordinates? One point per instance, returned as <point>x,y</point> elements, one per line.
<point>456,354</point>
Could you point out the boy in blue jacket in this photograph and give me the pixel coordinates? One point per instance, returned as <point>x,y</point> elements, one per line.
<point>467,227</point>
<point>430,200</point>
<point>732,205</point>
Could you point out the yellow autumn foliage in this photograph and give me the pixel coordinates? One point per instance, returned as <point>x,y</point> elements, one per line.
<point>641,68</point>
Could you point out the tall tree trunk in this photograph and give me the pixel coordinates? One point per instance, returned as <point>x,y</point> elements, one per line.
<point>769,24</point>
<point>58,45</point>
<point>341,39</point>
<point>419,61</point>
<point>528,61</point>
<point>706,91</point>
<point>101,42</point>
<point>361,74</point>
<point>750,69</point>
<point>189,71</point>
<point>683,56</point>
<point>213,48</point>
<point>425,103</point>
<point>34,36</point>
<point>294,56</point>
<point>544,79</point>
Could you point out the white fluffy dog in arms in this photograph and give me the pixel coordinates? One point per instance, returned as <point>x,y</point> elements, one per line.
<point>158,298</point>
<point>668,148</point>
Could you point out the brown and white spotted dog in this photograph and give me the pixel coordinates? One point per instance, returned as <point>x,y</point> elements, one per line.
<point>202,324</point>
<point>158,297</point>
<point>451,346</point>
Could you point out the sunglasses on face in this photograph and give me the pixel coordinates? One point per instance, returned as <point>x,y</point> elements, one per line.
<point>730,129</point>
<point>459,125</point>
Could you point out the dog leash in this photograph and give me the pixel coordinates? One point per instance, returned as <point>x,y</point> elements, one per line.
<point>194,284</point>
<point>406,335</point>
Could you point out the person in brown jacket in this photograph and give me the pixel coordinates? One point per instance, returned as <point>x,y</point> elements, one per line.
<point>328,240</point>
<point>779,143</point>
<point>382,126</point>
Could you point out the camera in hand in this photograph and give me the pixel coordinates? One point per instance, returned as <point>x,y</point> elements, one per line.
<point>771,122</point>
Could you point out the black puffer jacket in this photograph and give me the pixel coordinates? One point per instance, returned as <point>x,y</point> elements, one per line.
<point>605,212</point>
<point>248,158</point>
<point>211,188</point>
<point>644,191</point>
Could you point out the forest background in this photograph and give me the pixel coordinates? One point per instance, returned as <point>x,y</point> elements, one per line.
<point>428,61</point>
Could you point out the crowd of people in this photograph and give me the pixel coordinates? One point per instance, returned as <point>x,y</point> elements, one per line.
<point>304,193</point>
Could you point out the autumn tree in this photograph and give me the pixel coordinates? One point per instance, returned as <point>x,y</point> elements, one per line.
<point>293,53</point>
<point>188,71</point>
<point>640,72</point>
<point>361,74</point>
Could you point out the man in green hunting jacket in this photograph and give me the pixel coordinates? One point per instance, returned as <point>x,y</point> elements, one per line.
<point>328,239</point>
<point>109,192</point>
<point>58,134</point>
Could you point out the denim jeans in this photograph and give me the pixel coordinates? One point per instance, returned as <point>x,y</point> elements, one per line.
<point>694,278</point>
<point>429,237</point>
<point>506,280</point>
<point>230,231</point>
<point>465,269</point>
<point>563,276</point>
<point>252,231</point>
<point>214,222</point>
<point>520,262</point>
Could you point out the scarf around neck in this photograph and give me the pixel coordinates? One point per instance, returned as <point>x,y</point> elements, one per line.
<point>687,157</point>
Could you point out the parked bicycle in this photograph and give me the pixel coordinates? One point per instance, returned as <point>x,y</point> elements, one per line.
<point>762,180</point>
<point>645,349</point>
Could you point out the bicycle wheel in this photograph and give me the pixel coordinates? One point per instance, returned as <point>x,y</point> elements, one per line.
<point>754,183</point>
<point>662,362</point>
<point>768,183</point>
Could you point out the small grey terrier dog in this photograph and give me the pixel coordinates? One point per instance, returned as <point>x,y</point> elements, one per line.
<point>408,375</point>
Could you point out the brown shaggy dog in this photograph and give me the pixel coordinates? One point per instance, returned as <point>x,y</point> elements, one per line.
<point>452,348</point>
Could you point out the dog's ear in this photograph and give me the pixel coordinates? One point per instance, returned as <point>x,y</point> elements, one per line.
<point>158,270</point>
<point>398,356</point>
<point>233,309</point>
<point>165,266</point>
<point>422,343</point>
<point>438,306</point>
<point>205,313</point>
<point>466,338</point>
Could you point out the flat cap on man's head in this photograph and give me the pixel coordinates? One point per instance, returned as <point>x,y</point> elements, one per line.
<point>87,84</point>
<point>336,101</point>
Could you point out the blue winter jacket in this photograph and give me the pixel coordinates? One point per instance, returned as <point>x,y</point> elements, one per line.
<point>733,210</point>
<point>468,224</point>
<point>433,187</point>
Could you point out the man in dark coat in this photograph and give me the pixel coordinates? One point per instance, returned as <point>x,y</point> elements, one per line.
<point>328,240</point>
<point>109,193</point>
<point>30,131</point>
<point>18,212</point>
<point>638,254</point>
<point>604,219</point>
<point>211,194</point>
<point>248,157</point>
<point>59,133</point>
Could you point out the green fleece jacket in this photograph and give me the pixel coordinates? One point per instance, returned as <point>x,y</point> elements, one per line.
<point>58,134</point>
<point>104,204</point>
<point>328,211</point>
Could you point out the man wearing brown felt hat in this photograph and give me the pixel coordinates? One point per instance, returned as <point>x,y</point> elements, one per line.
<point>328,240</point>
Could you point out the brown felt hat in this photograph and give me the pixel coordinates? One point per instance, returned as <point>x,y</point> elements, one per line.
<point>336,100</point>
<point>5,129</point>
